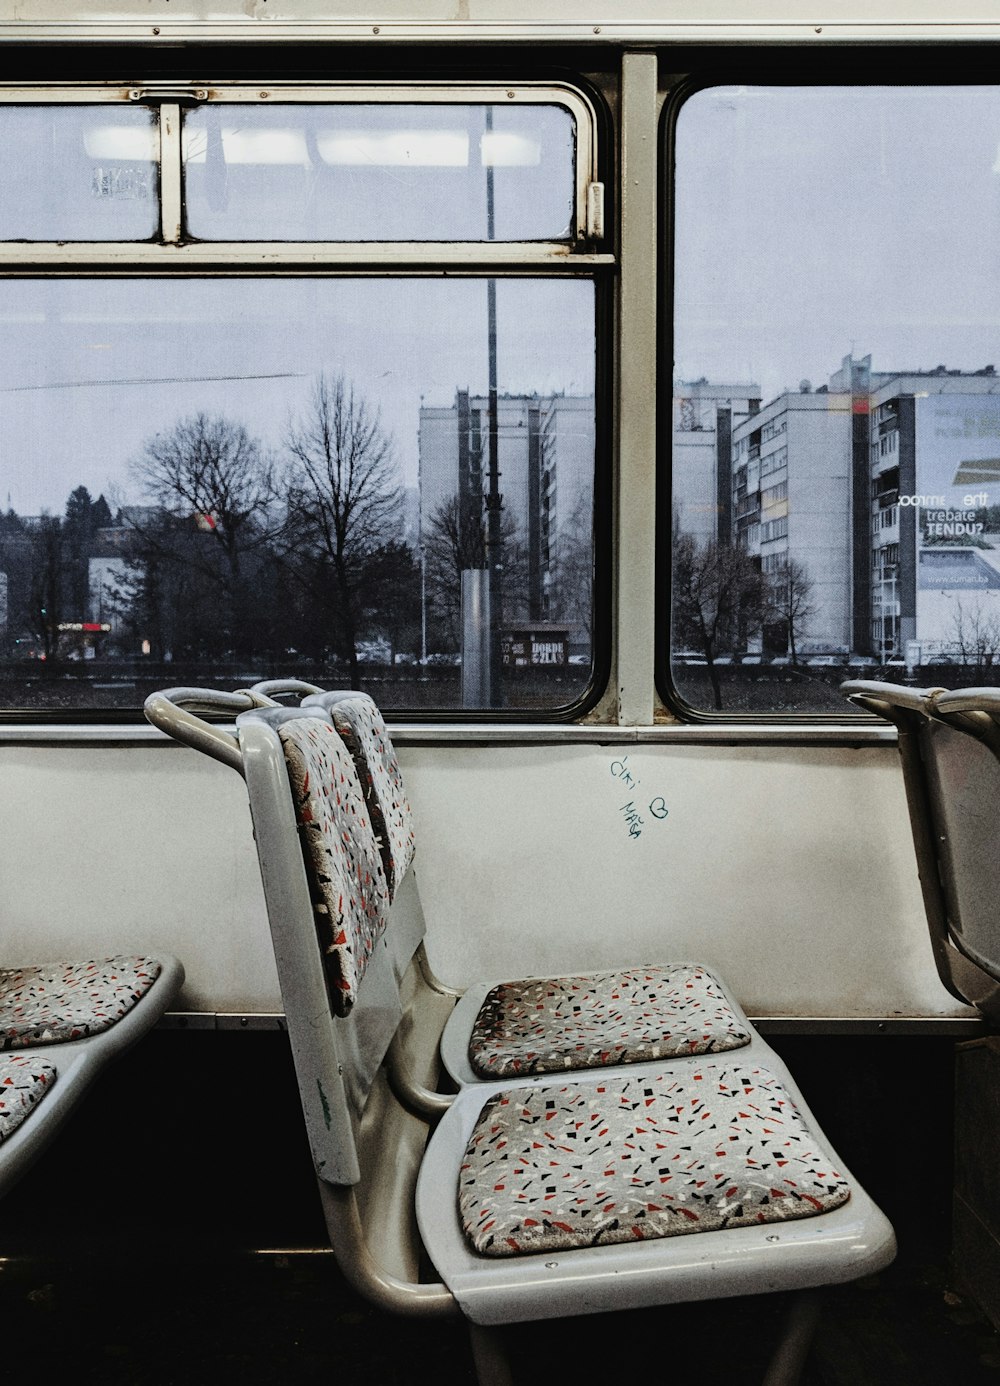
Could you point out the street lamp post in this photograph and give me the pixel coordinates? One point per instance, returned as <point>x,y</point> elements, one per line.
<point>423,607</point>
<point>493,498</point>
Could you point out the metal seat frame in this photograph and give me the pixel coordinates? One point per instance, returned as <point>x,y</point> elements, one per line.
<point>949,746</point>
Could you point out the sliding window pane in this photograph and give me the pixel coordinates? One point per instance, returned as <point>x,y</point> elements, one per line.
<point>212,481</point>
<point>71,173</point>
<point>379,173</point>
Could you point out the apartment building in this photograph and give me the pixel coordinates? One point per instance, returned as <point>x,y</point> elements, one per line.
<point>791,482</point>
<point>705,413</point>
<point>545,464</point>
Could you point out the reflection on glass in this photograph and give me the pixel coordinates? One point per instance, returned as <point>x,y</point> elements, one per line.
<point>378,172</point>
<point>217,479</point>
<point>836,443</point>
<point>77,173</point>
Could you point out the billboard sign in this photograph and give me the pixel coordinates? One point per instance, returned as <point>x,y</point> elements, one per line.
<point>958,482</point>
<point>958,462</point>
<point>958,516</point>
<point>532,645</point>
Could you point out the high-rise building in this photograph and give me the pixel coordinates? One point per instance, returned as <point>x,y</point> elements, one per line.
<point>545,465</point>
<point>705,413</point>
<point>792,505</point>
<point>883,488</point>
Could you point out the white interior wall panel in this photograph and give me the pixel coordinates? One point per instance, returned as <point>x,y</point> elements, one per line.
<point>789,869</point>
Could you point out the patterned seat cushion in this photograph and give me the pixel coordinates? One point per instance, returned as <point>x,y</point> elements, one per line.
<point>345,875</point>
<point>694,1149</point>
<point>67,1001</point>
<point>551,1024</point>
<point>24,1081</point>
<point>365,735</point>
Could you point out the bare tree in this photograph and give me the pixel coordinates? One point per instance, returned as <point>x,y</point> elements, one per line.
<point>47,590</point>
<point>789,596</point>
<point>160,593</point>
<point>210,475</point>
<point>16,555</point>
<point>718,595</point>
<point>83,517</point>
<point>344,503</point>
<point>454,542</point>
<point>571,595</point>
<point>976,631</point>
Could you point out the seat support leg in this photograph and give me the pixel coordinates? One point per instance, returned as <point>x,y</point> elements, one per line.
<point>788,1359</point>
<point>490,1356</point>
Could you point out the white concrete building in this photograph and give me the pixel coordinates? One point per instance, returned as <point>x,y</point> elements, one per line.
<point>705,413</point>
<point>792,486</point>
<point>545,460</point>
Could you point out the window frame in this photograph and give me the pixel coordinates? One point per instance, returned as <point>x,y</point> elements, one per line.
<point>690,71</point>
<point>169,100</point>
<point>586,254</point>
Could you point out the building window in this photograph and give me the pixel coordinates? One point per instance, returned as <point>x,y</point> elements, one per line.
<point>227,464</point>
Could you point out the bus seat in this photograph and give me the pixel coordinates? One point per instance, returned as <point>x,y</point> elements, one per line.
<point>513,1028</point>
<point>59,1024</point>
<point>949,745</point>
<point>527,1201</point>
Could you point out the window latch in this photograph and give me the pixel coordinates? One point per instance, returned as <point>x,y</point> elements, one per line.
<point>180,96</point>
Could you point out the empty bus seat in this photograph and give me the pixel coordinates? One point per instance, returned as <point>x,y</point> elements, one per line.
<point>663,1183</point>
<point>513,1028</point>
<point>69,1001</point>
<point>59,1024</point>
<point>949,744</point>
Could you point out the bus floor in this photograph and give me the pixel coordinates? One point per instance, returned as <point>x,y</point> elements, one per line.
<point>291,1321</point>
<point>131,1254</point>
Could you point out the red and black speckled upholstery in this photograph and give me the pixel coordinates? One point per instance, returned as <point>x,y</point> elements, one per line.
<point>365,735</point>
<point>346,881</point>
<point>24,1081</point>
<point>554,1024</point>
<point>635,1157</point>
<point>59,1002</point>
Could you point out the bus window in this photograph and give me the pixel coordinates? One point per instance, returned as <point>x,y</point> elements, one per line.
<point>379,173</point>
<point>254,446</point>
<point>836,413</point>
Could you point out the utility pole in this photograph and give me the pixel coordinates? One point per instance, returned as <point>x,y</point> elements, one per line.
<point>493,498</point>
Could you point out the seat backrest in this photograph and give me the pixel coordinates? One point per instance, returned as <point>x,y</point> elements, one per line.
<point>952,779</point>
<point>962,753</point>
<point>327,904</point>
<point>362,727</point>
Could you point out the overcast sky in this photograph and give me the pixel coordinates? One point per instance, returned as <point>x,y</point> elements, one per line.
<point>814,223</point>
<point>90,370</point>
<point>809,224</point>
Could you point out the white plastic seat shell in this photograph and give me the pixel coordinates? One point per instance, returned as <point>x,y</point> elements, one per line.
<point>843,1244</point>
<point>77,1063</point>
